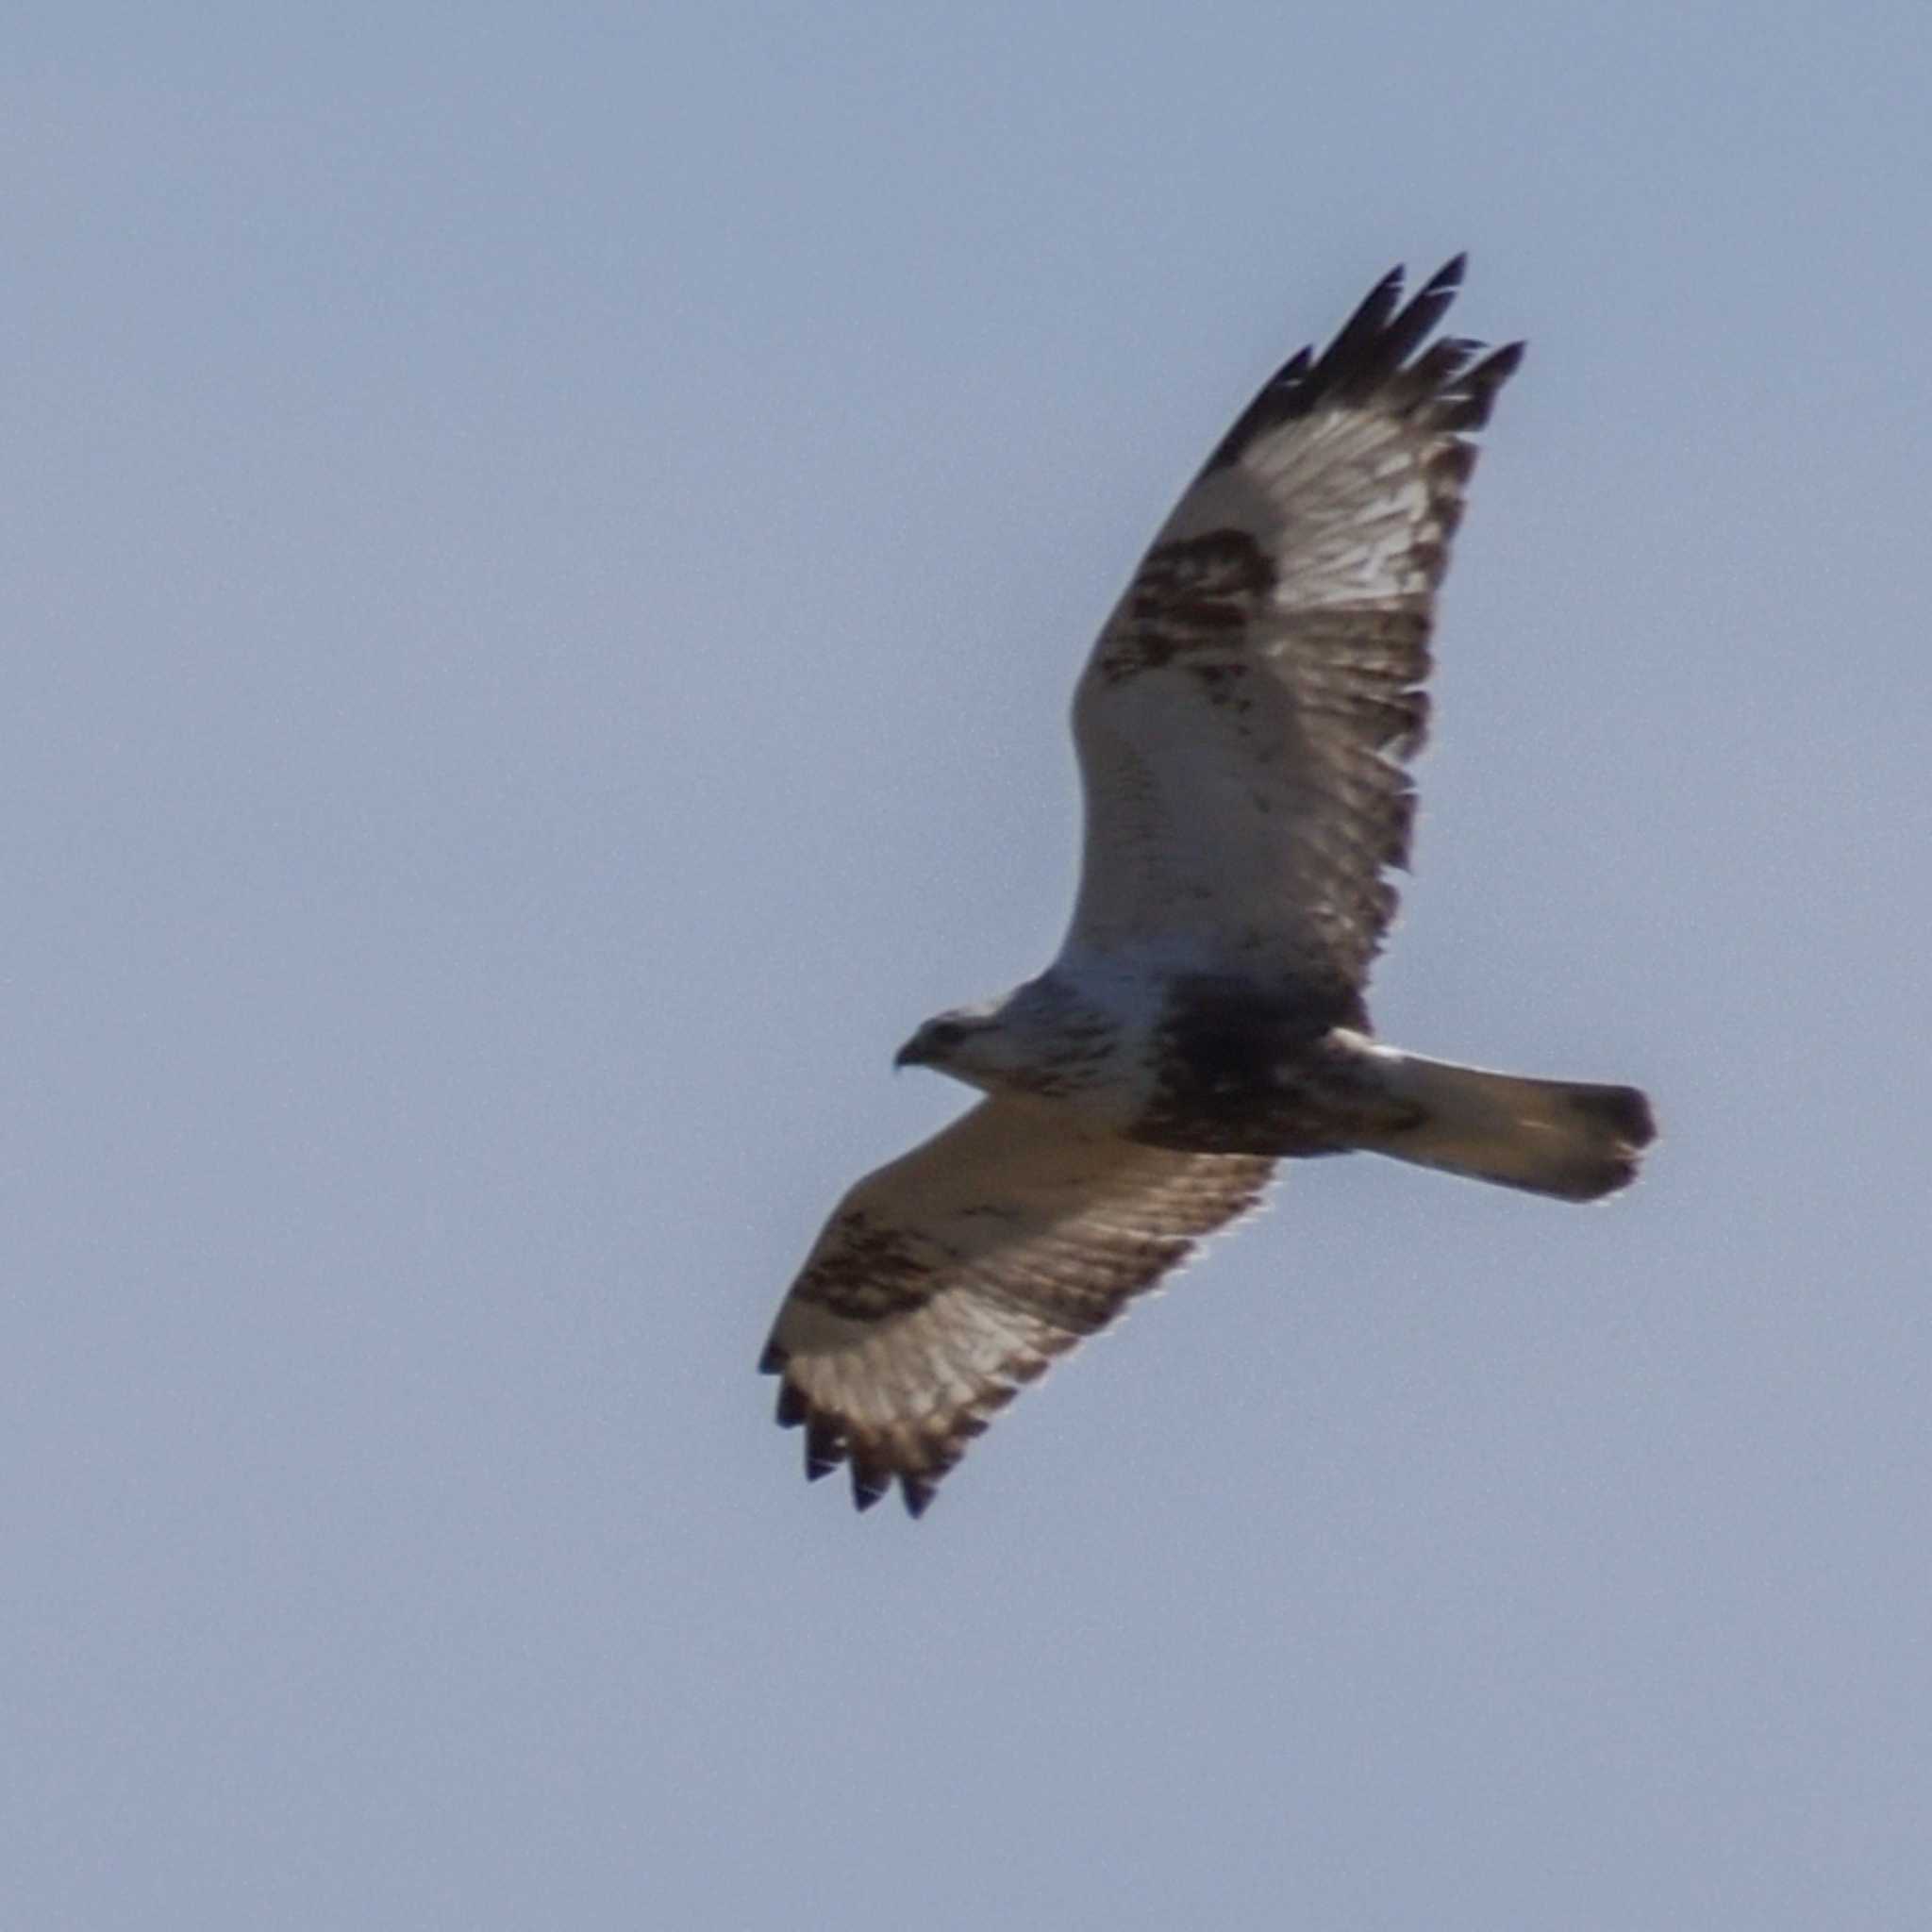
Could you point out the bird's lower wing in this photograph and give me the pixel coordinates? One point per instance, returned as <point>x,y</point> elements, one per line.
<point>949,1278</point>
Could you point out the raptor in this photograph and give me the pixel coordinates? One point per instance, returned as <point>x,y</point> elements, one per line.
<point>1244,727</point>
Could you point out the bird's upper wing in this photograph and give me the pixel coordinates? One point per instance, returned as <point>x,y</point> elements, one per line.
<point>1243,722</point>
<point>950,1278</point>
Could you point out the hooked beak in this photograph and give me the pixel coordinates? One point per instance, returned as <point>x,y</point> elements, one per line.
<point>911,1055</point>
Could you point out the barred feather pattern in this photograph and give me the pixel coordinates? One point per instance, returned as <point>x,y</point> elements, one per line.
<point>947,1280</point>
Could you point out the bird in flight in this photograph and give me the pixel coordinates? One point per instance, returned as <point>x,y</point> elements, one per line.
<point>1244,726</point>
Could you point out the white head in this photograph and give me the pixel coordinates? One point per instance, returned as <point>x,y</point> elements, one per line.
<point>1018,1042</point>
<point>976,1044</point>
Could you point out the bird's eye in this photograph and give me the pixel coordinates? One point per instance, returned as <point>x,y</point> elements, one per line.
<point>945,1033</point>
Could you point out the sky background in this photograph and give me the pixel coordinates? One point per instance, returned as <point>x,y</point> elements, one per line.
<point>546,550</point>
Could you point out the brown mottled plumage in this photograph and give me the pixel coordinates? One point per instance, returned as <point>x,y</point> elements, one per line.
<point>1244,725</point>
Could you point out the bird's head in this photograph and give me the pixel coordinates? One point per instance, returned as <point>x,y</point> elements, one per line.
<point>971,1044</point>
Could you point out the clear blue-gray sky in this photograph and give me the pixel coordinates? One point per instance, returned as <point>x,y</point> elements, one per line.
<point>546,550</point>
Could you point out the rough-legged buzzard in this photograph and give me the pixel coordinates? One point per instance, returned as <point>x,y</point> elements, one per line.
<point>1244,726</point>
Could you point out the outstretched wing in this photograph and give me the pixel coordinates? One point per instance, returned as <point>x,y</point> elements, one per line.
<point>949,1278</point>
<point>1245,720</point>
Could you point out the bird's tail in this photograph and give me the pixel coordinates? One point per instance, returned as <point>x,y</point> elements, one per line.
<point>1565,1137</point>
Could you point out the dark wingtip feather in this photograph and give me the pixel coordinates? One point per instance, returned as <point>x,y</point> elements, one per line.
<point>1370,357</point>
<point>1373,311</point>
<point>1466,403</point>
<point>825,1450</point>
<point>872,1463</point>
<point>1360,365</point>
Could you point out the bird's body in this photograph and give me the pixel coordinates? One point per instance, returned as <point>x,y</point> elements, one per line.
<point>1244,724</point>
<point>1205,1063</point>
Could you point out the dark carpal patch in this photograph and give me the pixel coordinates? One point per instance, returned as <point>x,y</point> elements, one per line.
<point>1242,1069</point>
<point>1194,594</point>
<point>868,1271</point>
